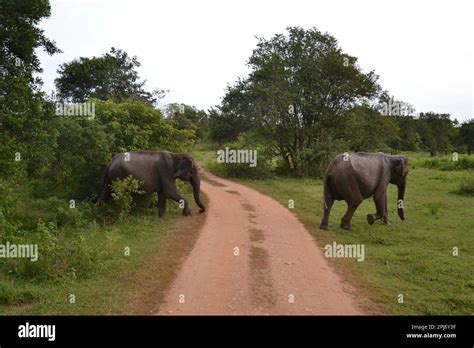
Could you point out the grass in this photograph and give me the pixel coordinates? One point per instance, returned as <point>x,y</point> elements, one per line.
<point>466,187</point>
<point>442,162</point>
<point>118,284</point>
<point>412,257</point>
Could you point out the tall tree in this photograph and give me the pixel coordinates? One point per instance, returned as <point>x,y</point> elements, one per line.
<point>25,116</point>
<point>436,132</point>
<point>466,135</point>
<point>111,76</point>
<point>184,116</point>
<point>226,124</point>
<point>299,88</point>
<point>368,130</point>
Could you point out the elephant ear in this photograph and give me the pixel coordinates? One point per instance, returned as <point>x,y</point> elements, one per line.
<point>185,163</point>
<point>188,158</point>
<point>190,161</point>
<point>402,166</point>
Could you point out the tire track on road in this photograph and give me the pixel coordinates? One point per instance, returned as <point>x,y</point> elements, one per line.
<point>254,257</point>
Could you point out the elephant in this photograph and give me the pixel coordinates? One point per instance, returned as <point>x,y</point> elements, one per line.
<point>158,170</point>
<point>355,177</point>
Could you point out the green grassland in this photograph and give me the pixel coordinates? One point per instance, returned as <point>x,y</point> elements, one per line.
<point>110,276</point>
<point>412,257</point>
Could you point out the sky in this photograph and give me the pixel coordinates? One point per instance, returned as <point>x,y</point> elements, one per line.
<point>422,50</point>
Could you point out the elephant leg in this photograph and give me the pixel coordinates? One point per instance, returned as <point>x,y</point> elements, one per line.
<point>176,196</point>
<point>328,202</point>
<point>385,212</point>
<point>106,193</point>
<point>379,200</point>
<point>161,204</point>
<point>351,208</point>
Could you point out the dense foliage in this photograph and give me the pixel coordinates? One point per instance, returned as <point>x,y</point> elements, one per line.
<point>111,76</point>
<point>53,155</point>
<point>306,100</point>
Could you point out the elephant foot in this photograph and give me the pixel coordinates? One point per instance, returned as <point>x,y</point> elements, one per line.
<point>324,227</point>
<point>346,226</point>
<point>371,219</point>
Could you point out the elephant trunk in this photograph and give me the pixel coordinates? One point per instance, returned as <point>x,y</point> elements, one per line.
<point>196,184</point>
<point>400,202</point>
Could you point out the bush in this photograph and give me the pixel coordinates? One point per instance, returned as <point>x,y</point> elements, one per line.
<point>314,160</point>
<point>123,192</point>
<point>60,212</point>
<point>262,169</point>
<point>11,294</point>
<point>43,268</point>
<point>58,256</point>
<point>135,125</point>
<point>26,220</point>
<point>447,163</point>
<point>7,207</point>
<point>467,187</point>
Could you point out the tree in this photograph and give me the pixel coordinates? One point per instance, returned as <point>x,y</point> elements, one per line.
<point>26,118</point>
<point>134,125</point>
<point>436,132</point>
<point>367,130</point>
<point>409,139</point>
<point>111,76</point>
<point>466,135</point>
<point>226,125</point>
<point>86,145</point>
<point>299,88</point>
<point>184,116</point>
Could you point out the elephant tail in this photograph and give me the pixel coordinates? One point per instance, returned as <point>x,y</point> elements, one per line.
<point>105,190</point>
<point>327,190</point>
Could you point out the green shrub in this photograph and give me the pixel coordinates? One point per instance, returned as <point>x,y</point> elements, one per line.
<point>7,207</point>
<point>11,294</point>
<point>59,256</point>
<point>75,258</point>
<point>447,163</point>
<point>467,187</point>
<point>61,212</point>
<point>314,160</point>
<point>45,237</point>
<point>262,169</point>
<point>123,192</point>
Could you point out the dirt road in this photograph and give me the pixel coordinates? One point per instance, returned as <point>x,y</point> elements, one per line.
<point>254,257</point>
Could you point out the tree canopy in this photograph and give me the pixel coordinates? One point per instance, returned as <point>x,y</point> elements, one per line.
<point>111,76</point>
<point>299,91</point>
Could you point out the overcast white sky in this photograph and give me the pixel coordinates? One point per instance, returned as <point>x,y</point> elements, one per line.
<point>422,50</point>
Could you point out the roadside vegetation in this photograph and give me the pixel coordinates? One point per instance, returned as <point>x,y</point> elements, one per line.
<point>304,101</point>
<point>53,154</point>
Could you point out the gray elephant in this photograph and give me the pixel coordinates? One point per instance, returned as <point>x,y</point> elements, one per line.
<point>355,177</point>
<point>158,170</point>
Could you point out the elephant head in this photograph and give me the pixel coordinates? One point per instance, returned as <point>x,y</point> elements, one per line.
<point>186,170</point>
<point>184,167</point>
<point>399,172</point>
